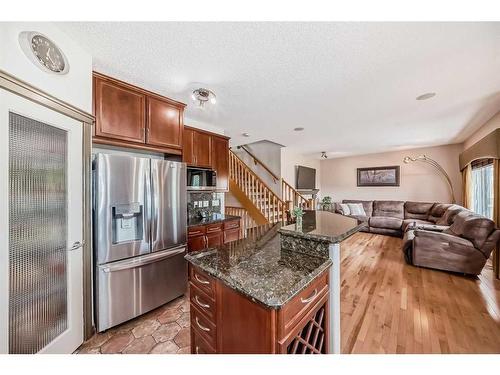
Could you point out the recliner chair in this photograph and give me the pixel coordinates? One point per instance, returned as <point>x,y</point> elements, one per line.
<point>464,247</point>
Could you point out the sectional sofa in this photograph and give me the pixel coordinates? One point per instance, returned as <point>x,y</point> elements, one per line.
<point>435,235</point>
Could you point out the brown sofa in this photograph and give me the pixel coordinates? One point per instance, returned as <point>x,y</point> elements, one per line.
<point>436,235</point>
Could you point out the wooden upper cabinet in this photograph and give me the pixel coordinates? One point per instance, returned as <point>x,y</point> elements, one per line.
<point>165,123</point>
<point>197,150</point>
<point>188,147</point>
<point>120,112</point>
<point>220,161</point>
<point>129,116</point>
<point>203,149</point>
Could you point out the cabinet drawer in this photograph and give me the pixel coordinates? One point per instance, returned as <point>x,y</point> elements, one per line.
<point>210,228</point>
<point>231,224</point>
<point>199,345</point>
<point>214,239</point>
<point>202,326</point>
<point>231,235</point>
<point>203,302</point>
<point>202,281</point>
<point>196,231</point>
<point>295,309</point>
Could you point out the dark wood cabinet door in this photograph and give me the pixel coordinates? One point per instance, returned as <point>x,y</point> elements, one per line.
<point>165,125</point>
<point>220,161</point>
<point>203,149</point>
<point>214,239</point>
<point>196,243</point>
<point>120,111</point>
<point>188,147</point>
<point>231,235</point>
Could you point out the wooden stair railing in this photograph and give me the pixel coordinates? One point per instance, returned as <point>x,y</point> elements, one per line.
<point>260,201</point>
<point>256,160</point>
<point>289,194</point>
<point>246,220</point>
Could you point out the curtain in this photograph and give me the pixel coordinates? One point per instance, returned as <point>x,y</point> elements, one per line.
<point>467,199</point>
<point>483,187</point>
<point>496,213</point>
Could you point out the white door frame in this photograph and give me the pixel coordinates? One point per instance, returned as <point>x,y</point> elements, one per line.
<point>12,84</point>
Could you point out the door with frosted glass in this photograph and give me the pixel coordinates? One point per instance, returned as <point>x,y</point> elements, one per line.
<point>41,292</point>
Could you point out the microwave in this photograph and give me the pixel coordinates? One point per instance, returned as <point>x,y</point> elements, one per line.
<point>201,179</point>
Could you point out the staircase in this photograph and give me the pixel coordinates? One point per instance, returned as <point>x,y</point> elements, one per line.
<point>261,203</point>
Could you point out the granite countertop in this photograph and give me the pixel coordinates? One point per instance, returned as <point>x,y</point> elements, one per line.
<point>257,266</point>
<point>324,226</point>
<point>214,218</point>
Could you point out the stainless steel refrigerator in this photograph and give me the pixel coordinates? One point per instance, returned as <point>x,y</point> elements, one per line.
<point>139,235</point>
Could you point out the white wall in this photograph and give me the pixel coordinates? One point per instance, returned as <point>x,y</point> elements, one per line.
<point>270,154</point>
<point>419,181</point>
<point>75,87</point>
<point>203,125</point>
<point>290,158</point>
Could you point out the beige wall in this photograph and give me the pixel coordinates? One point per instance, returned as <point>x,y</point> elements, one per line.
<point>419,181</point>
<point>291,158</point>
<point>487,128</point>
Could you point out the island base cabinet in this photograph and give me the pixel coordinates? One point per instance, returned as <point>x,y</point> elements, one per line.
<point>199,345</point>
<point>227,322</point>
<point>310,336</point>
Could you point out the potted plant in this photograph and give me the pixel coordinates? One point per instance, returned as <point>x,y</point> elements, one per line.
<point>326,203</point>
<point>297,214</point>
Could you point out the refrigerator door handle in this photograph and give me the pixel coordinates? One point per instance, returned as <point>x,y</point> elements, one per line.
<point>148,196</point>
<point>154,214</point>
<point>141,261</point>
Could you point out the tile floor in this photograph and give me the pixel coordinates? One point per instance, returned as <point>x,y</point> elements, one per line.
<point>161,331</point>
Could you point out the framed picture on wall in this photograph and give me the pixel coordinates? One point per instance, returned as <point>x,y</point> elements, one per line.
<point>379,176</point>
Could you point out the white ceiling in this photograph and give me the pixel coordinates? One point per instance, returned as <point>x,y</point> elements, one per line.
<point>352,86</point>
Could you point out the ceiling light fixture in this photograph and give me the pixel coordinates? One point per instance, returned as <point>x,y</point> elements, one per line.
<point>426,96</point>
<point>202,96</point>
<point>245,135</point>
<point>324,155</point>
<point>298,129</point>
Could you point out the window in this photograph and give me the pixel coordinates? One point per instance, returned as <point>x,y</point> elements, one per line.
<point>482,185</point>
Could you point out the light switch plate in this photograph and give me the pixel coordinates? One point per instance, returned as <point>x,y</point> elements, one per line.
<point>205,203</point>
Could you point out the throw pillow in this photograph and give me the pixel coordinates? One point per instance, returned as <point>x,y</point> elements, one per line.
<point>345,209</point>
<point>356,209</point>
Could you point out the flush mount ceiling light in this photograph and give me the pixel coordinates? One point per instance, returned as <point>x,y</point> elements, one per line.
<point>324,155</point>
<point>426,96</point>
<point>298,129</point>
<point>245,135</point>
<point>203,96</point>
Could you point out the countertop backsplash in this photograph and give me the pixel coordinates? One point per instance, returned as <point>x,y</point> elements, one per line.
<point>204,203</point>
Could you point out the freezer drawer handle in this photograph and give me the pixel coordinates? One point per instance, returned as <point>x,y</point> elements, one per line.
<point>201,281</point>
<point>138,263</point>
<point>206,329</point>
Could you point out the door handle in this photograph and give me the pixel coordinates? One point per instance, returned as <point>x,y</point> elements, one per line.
<point>76,245</point>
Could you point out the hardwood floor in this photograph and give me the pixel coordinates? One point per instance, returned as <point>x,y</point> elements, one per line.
<point>388,306</point>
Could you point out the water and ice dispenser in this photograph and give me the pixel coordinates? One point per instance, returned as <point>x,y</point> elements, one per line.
<point>127,222</point>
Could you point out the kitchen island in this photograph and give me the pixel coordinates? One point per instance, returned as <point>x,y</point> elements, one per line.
<point>268,292</point>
